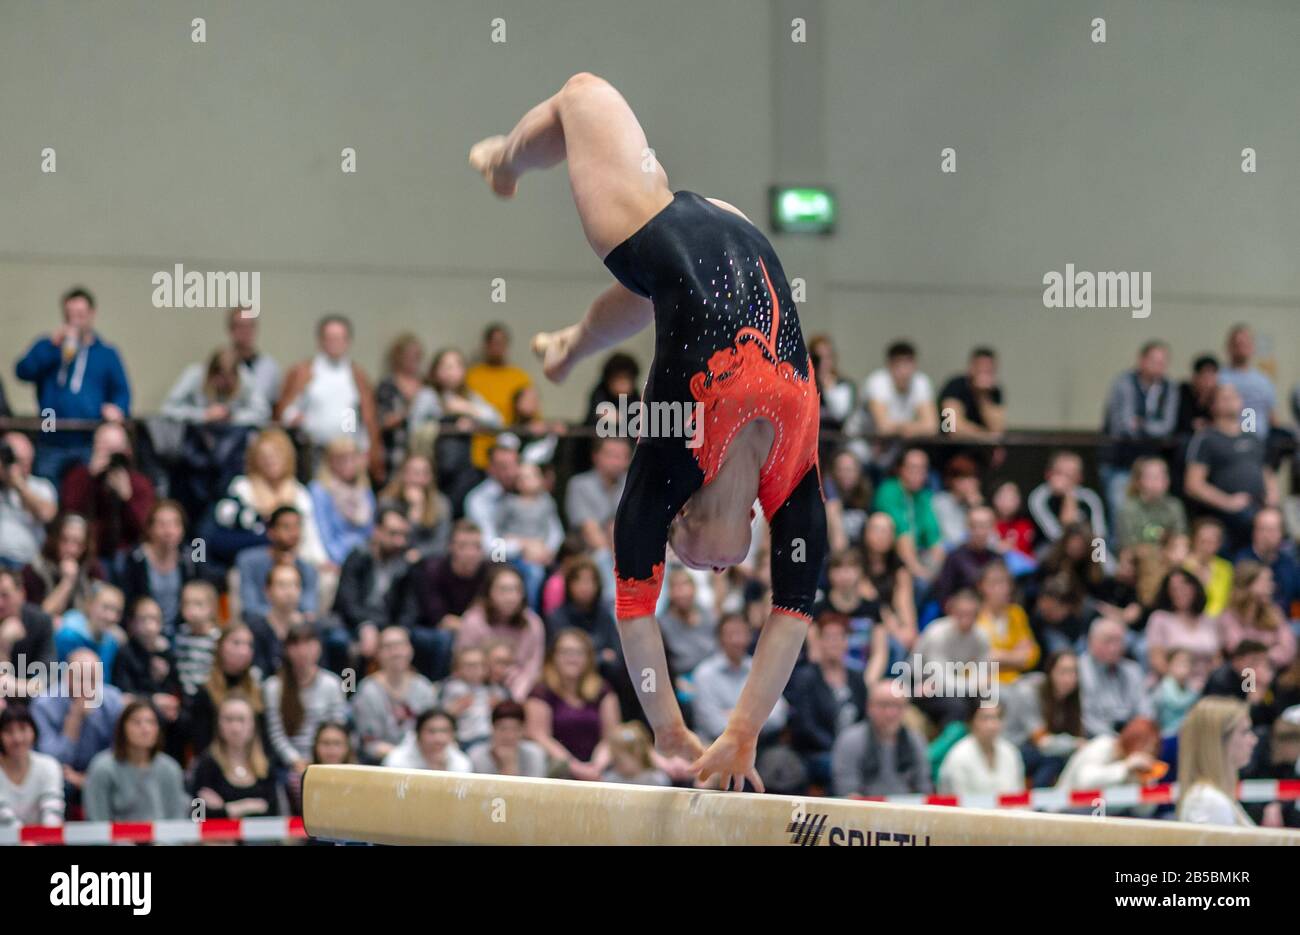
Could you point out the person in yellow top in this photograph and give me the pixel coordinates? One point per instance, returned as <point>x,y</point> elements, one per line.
<point>1011,642</point>
<point>1215,573</point>
<point>497,381</point>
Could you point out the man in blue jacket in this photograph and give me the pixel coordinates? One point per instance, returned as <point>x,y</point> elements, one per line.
<point>77,376</point>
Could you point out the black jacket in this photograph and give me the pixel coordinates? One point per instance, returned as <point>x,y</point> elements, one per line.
<point>357,579</point>
<point>135,578</point>
<point>814,712</point>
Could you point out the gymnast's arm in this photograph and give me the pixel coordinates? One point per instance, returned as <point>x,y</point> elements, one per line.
<point>615,315</point>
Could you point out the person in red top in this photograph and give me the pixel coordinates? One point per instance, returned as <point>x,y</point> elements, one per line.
<point>1014,528</point>
<point>731,378</point>
<point>113,496</point>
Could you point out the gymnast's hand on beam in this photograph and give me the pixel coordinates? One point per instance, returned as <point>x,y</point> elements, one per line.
<point>731,759</point>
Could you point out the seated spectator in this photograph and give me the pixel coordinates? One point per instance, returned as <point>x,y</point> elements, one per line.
<point>1111,686</point>
<point>452,410</point>
<point>470,698</point>
<point>537,436</point>
<point>719,679</point>
<point>1044,717</point>
<point>270,629</point>
<point>1267,547</point>
<point>284,533</point>
<point>27,502</point>
<point>444,587</point>
<point>1141,411</point>
<point>983,762</point>
<point>1203,560</point>
<point>216,393</point>
<point>1117,759</point>
<point>906,498</point>
<point>1215,744</point>
<point>483,504</point>
<point>899,398</point>
<point>975,397</point>
<point>1015,531</point>
<point>233,776</point>
<point>825,697</point>
<point>299,698</point>
<point>1176,692</point>
<point>632,757</point>
<point>890,577</point>
<point>1244,675</point>
<point>848,499</point>
<point>1149,513</point>
<point>257,369</point>
<point>966,563</point>
<point>1012,647</point>
<point>1227,475</point>
<point>960,497</point>
<point>867,637</point>
<point>839,395</point>
<point>689,632</point>
<point>77,722</point>
<point>26,631</point>
<point>374,589</point>
<point>394,395</point>
<point>233,674</point>
<point>496,380</point>
<point>1117,597</point>
<point>500,613</point>
<point>571,710</point>
<point>1252,615</point>
<point>412,487</point>
<point>1071,558</point>
<point>161,564</point>
<point>1195,396</point>
<point>97,629</point>
<point>135,780</point>
<point>592,497</point>
<point>507,753</point>
<point>1180,622</point>
<point>880,755</point>
<point>332,745</point>
<point>530,528</point>
<point>431,745</point>
<point>1279,759</point>
<point>1056,622</point>
<point>110,493</point>
<point>268,483</point>
<point>144,667</point>
<point>585,610</point>
<point>31,783</point>
<point>196,637</point>
<point>77,376</point>
<point>1061,500</point>
<point>956,647</point>
<point>389,699</point>
<point>342,500</point>
<point>331,397</point>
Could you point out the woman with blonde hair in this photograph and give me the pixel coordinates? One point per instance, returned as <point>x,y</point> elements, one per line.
<point>572,710</point>
<point>233,776</point>
<point>269,482</point>
<point>414,490</point>
<point>342,499</point>
<point>1252,615</point>
<point>632,757</point>
<point>1215,743</point>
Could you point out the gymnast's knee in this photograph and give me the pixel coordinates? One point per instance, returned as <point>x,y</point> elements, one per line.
<point>583,83</point>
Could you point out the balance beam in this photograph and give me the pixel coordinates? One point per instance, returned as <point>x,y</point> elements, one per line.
<point>398,806</point>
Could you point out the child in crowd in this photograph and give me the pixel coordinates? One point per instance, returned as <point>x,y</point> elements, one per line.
<point>144,666</point>
<point>630,750</point>
<point>196,638</point>
<point>529,521</point>
<point>1176,693</point>
<point>470,697</point>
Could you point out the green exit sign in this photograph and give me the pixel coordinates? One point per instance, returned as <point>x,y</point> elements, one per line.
<point>802,210</point>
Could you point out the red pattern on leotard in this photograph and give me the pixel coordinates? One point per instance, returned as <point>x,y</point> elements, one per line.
<point>637,597</point>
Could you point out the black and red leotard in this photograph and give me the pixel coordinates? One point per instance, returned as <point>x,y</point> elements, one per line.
<point>727,336</point>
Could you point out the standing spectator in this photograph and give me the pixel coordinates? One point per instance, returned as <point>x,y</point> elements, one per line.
<point>444,587</point>
<point>450,408</point>
<point>1215,744</point>
<point>592,497</point>
<point>975,397</point>
<point>342,500</point>
<point>1267,536</point>
<point>1112,686</point>
<point>719,679</point>
<point>899,398</point>
<point>1226,471</point>
<point>285,535</point>
<point>1258,395</point>
<point>63,574</point>
<point>31,783</point>
<point>880,755</point>
<point>217,394</point>
<point>964,565</point>
<point>825,698</point>
<point>161,565</point>
<point>77,376</point>
<point>413,487</point>
<point>374,588</point>
<point>135,780</point>
<point>1203,560</point>
<point>507,753</point>
<point>1195,396</point>
<point>983,762</point>
<point>1012,647</point>
<point>389,699</point>
<point>96,629</point>
<point>233,776</point>
<point>1061,500</point>
<point>431,745</point>
<point>77,722</point>
<point>571,710</point>
<point>501,613</point>
<point>27,502</point>
<point>26,631</point>
<point>395,393</point>
<point>1253,615</point>
<point>1141,411</point>
<point>1149,513</point>
<point>848,500</point>
<point>256,368</point>
<point>330,396</point>
<point>1044,718</point>
<point>1180,623</point>
<point>483,504</point>
<point>496,380</point>
<point>299,698</point>
<point>907,499</point>
<point>108,490</point>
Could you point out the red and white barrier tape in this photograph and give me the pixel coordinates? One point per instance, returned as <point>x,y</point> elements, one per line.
<point>183,831</point>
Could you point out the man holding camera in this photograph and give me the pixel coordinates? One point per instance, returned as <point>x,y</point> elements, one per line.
<point>113,496</point>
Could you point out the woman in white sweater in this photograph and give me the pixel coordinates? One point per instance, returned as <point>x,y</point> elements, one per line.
<point>31,783</point>
<point>983,762</point>
<point>1109,760</point>
<point>1215,742</point>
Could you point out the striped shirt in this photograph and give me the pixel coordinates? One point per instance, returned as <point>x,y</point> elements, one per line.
<point>194,653</point>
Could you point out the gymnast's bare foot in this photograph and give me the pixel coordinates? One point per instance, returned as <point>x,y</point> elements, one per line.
<point>679,743</point>
<point>731,759</point>
<point>555,348</point>
<point>488,157</point>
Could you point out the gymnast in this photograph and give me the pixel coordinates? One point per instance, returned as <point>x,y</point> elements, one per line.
<point>727,336</point>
